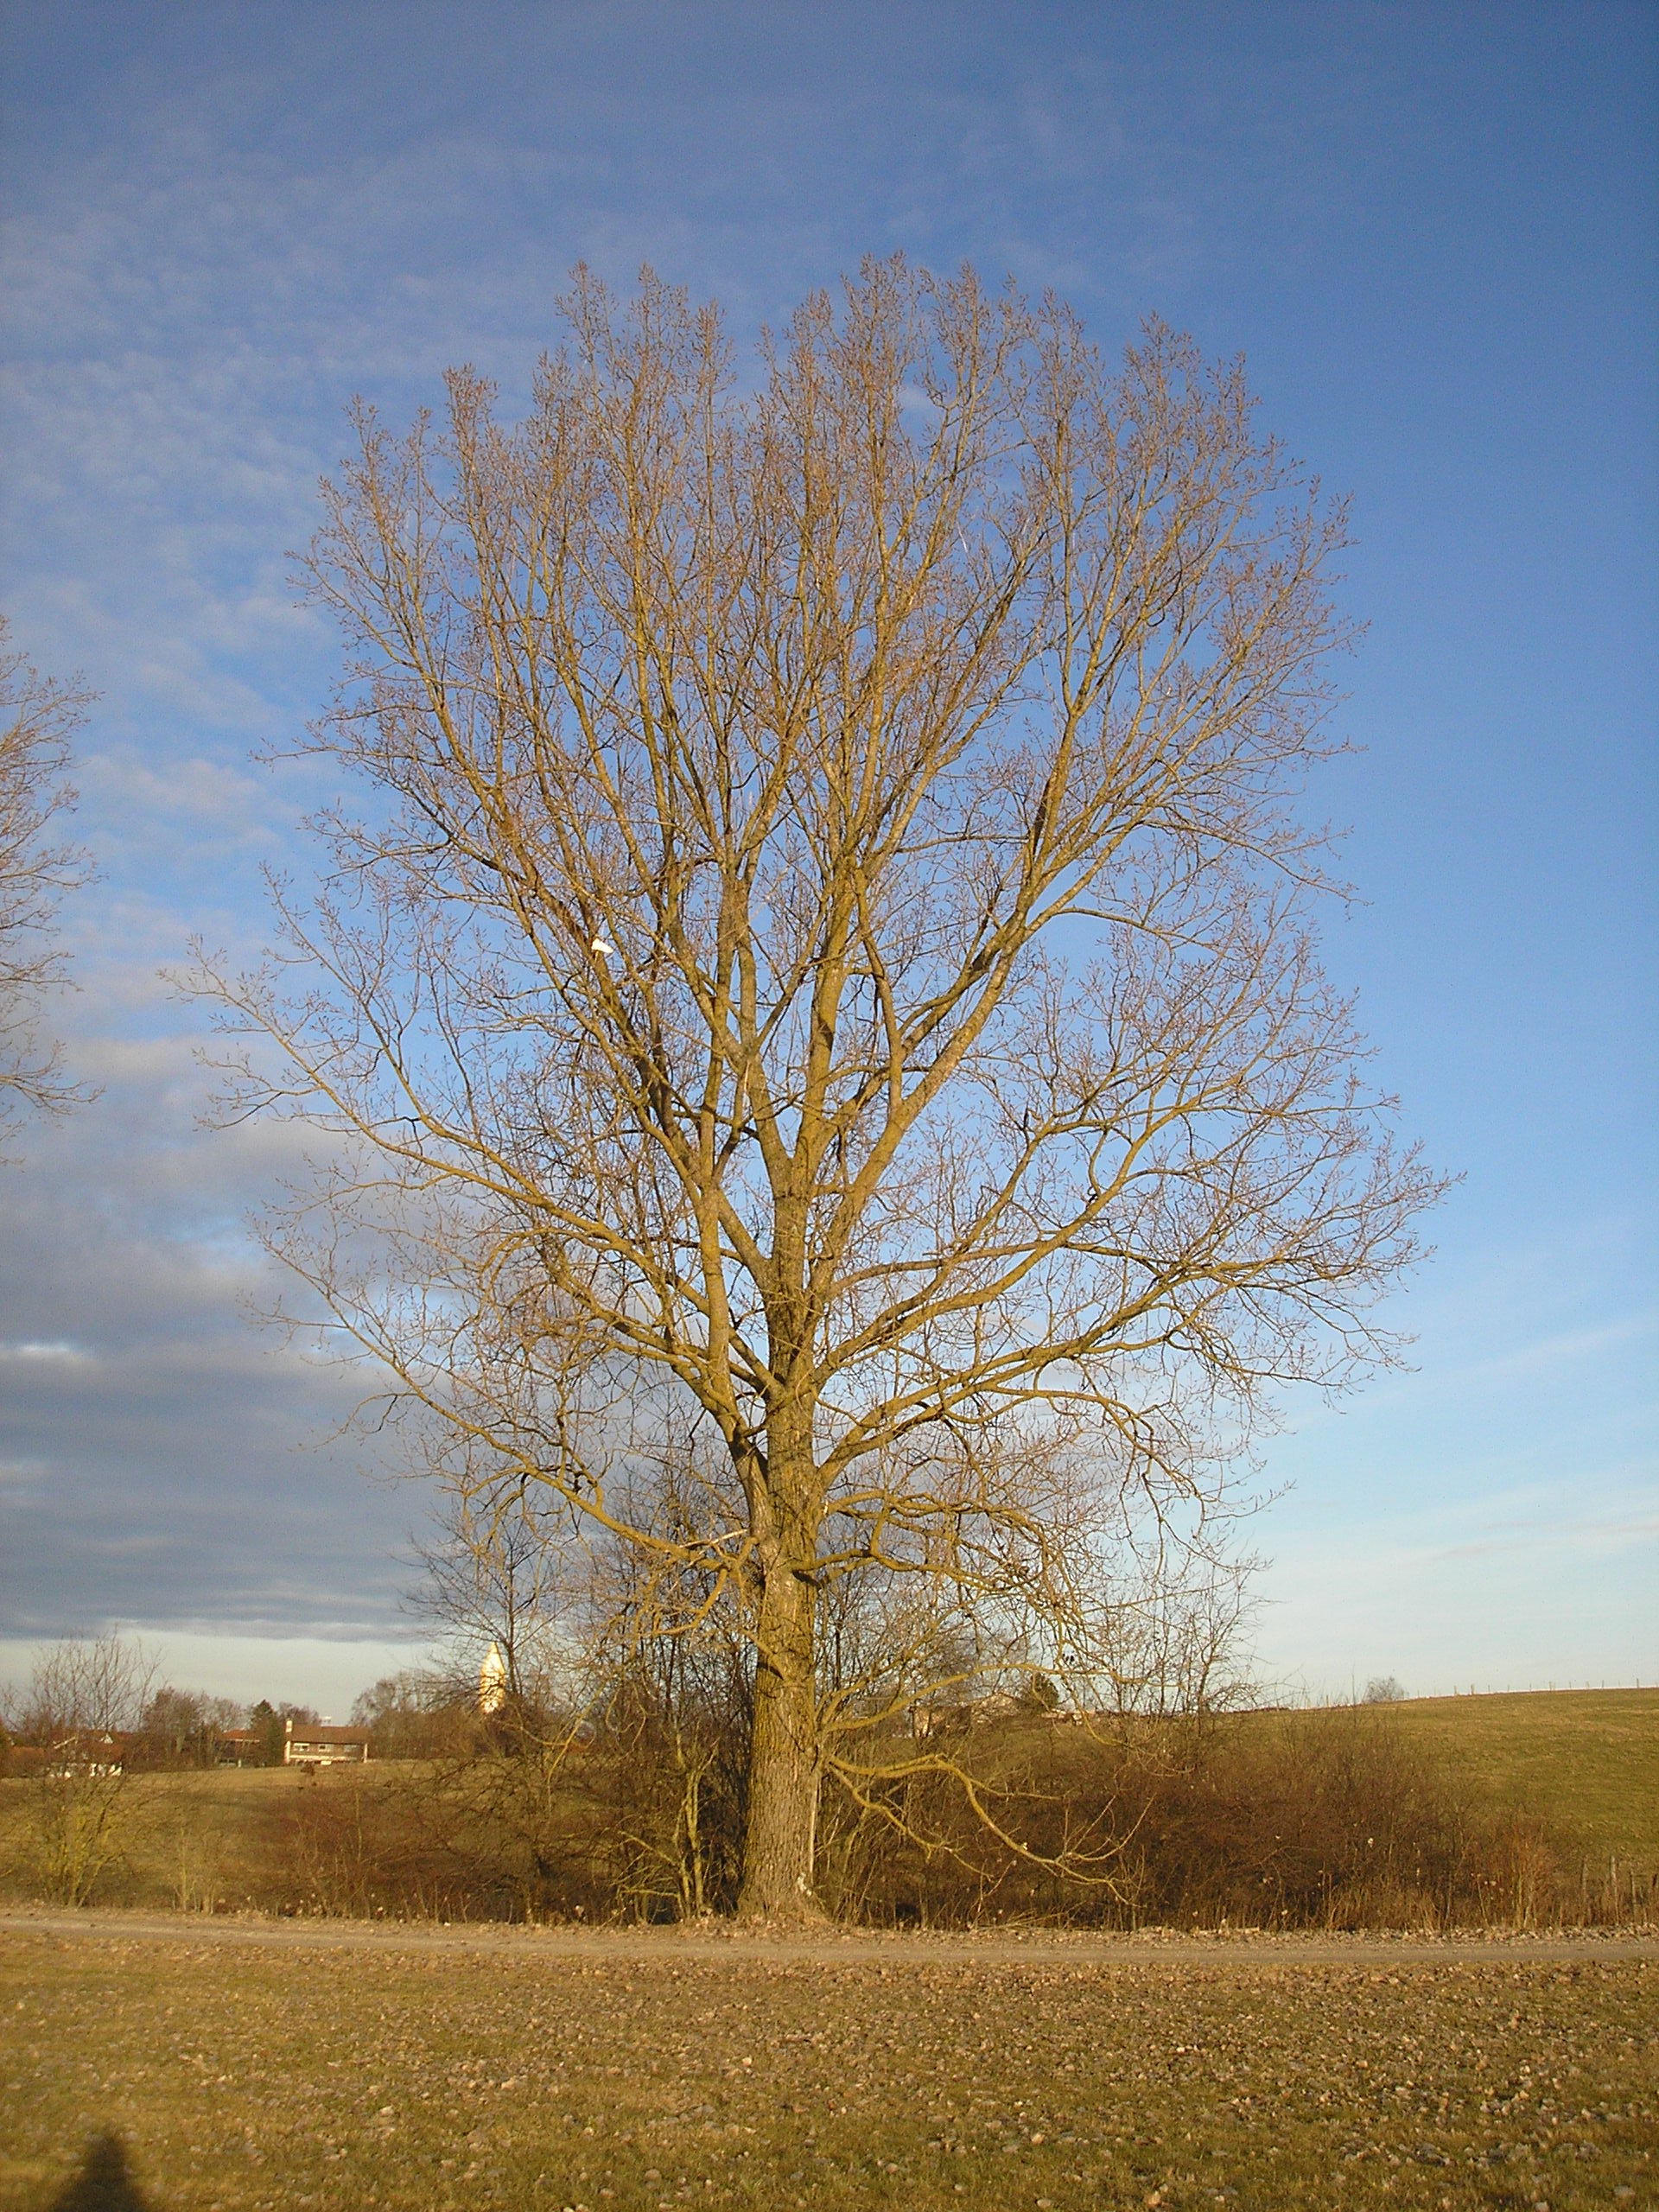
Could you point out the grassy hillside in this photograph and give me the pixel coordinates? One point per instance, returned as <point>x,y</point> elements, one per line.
<point>192,1840</point>
<point>1586,1761</point>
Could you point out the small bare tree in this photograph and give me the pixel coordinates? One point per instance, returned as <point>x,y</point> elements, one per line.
<point>1178,1635</point>
<point>37,720</point>
<point>821,988</point>
<point>673,1681</point>
<point>493,1576</point>
<point>83,1708</point>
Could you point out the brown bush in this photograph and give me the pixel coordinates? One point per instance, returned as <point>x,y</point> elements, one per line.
<point>527,1814</point>
<point>1329,1818</point>
<point>1333,1819</point>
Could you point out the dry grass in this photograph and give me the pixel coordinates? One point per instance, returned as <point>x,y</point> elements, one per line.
<point>363,2075</point>
<point>213,1840</point>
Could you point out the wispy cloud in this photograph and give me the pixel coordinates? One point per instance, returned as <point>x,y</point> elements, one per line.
<point>167,1459</point>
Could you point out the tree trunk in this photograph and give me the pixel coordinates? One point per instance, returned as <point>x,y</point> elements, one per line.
<point>778,1841</point>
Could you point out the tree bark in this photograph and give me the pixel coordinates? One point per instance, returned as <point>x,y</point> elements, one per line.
<point>779,1839</point>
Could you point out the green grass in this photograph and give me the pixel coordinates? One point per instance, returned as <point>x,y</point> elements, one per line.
<point>244,2078</point>
<point>1586,1760</point>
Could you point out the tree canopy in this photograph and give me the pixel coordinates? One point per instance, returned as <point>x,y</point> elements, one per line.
<point>815,996</point>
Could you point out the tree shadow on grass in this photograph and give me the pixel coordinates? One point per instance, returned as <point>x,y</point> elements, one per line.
<point>105,2183</point>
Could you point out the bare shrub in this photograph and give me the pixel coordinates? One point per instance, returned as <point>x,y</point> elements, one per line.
<point>1328,1818</point>
<point>197,1850</point>
<point>337,1860</point>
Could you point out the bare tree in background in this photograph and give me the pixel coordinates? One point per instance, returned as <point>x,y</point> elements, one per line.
<point>184,1728</point>
<point>84,1703</point>
<point>1383,1689</point>
<point>37,718</point>
<point>821,993</point>
<point>493,1577</point>
<point>1180,1632</point>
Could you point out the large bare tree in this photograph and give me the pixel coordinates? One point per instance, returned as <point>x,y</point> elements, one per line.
<point>37,720</point>
<point>817,985</point>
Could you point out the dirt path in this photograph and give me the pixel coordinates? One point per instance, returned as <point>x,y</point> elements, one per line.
<point>1040,1947</point>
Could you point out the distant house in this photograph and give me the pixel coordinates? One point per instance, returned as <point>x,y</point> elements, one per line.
<point>309,1743</point>
<point>948,1719</point>
<point>88,1751</point>
<point>242,1747</point>
<point>965,1712</point>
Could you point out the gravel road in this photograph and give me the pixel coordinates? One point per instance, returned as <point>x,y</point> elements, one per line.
<point>1000,1947</point>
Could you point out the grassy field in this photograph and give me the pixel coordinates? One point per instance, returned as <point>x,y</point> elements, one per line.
<point>185,2075</point>
<point>1587,1759</point>
<point>193,1839</point>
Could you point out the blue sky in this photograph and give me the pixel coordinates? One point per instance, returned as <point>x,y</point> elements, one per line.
<point>1430,231</point>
